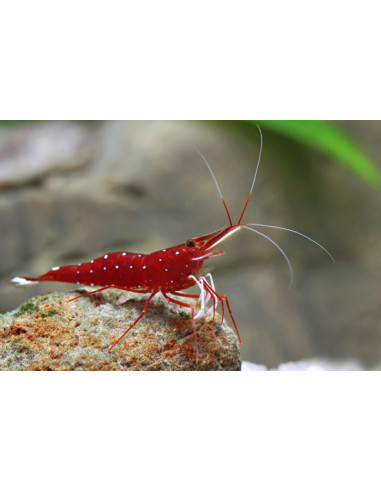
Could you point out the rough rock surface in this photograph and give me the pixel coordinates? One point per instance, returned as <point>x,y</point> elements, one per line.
<point>46,333</point>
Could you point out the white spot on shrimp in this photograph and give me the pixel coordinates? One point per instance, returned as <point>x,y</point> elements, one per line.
<point>78,272</point>
<point>91,271</point>
<point>92,261</point>
<point>117,266</point>
<point>139,256</point>
<point>79,264</point>
<point>55,268</point>
<point>105,257</point>
<point>77,283</point>
<point>131,266</point>
<point>124,254</point>
<point>160,259</point>
<point>166,269</point>
<point>104,268</point>
<point>91,284</point>
<point>186,266</point>
<point>177,253</point>
<point>144,267</point>
<point>171,281</point>
<point>164,250</point>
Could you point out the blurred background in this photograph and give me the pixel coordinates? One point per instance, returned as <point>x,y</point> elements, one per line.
<point>71,191</point>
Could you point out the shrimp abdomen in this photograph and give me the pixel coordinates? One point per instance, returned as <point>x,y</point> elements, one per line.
<point>118,269</point>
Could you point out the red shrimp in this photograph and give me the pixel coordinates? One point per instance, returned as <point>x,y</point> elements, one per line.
<point>168,271</point>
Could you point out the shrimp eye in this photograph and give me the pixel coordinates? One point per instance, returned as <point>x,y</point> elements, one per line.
<point>190,243</point>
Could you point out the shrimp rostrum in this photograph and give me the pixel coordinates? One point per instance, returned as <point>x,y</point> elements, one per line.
<point>169,271</point>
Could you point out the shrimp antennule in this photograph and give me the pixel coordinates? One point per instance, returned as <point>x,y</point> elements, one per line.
<point>216,183</point>
<point>255,177</point>
<point>252,184</point>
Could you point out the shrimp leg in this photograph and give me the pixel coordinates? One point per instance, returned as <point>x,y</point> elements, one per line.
<point>105,288</point>
<point>136,321</point>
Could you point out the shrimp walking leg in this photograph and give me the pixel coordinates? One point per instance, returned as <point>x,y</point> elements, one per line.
<point>86,294</point>
<point>204,298</point>
<point>223,298</point>
<point>136,321</point>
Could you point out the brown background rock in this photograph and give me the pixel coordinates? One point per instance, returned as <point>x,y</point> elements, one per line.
<point>146,188</point>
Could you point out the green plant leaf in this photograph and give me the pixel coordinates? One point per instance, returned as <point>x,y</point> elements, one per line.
<point>331,140</point>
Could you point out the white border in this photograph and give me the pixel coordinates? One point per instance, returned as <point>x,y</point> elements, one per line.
<point>176,60</point>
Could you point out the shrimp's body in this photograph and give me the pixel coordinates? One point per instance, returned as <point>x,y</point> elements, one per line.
<point>164,270</point>
<point>169,270</point>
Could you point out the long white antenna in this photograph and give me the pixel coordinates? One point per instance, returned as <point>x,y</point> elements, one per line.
<point>255,176</point>
<point>215,180</point>
<point>252,184</point>
<point>295,232</point>
<point>279,248</point>
<point>259,159</point>
<point>210,170</point>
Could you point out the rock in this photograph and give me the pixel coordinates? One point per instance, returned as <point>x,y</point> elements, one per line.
<point>33,151</point>
<point>46,333</point>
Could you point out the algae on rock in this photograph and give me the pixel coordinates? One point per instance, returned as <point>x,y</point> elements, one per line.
<point>47,333</point>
